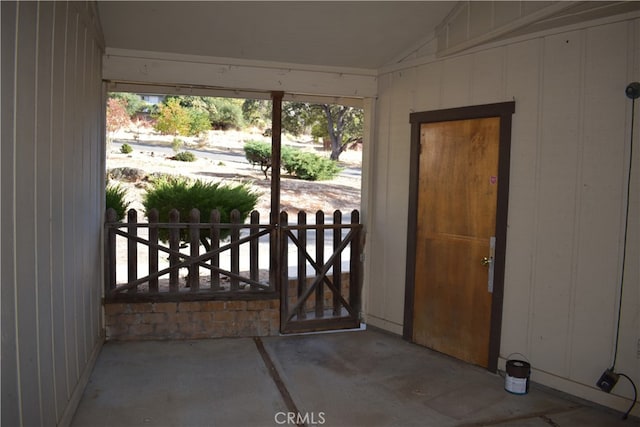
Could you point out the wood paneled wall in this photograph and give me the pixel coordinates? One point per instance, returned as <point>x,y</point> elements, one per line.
<point>52,203</point>
<point>570,151</point>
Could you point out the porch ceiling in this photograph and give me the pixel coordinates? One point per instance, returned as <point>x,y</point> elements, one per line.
<point>357,34</point>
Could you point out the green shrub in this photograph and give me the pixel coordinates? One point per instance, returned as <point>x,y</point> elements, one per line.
<point>116,198</point>
<point>182,194</point>
<point>177,144</point>
<point>319,131</point>
<point>198,121</point>
<point>159,176</point>
<point>225,113</point>
<point>287,155</point>
<point>309,166</point>
<point>126,148</point>
<point>259,153</point>
<point>257,112</point>
<point>185,156</point>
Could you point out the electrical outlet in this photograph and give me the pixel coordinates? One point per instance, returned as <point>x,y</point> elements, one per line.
<point>607,380</point>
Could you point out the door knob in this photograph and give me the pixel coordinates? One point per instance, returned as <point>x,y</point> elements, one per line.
<point>486,261</point>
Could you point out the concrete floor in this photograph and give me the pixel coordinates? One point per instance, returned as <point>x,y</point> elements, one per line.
<point>361,378</point>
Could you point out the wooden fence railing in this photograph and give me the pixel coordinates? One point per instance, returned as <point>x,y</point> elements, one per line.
<point>166,261</point>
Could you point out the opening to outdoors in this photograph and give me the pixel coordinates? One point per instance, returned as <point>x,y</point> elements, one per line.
<point>159,129</point>
<point>226,142</point>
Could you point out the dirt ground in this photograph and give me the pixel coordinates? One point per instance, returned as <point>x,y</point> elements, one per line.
<point>341,193</point>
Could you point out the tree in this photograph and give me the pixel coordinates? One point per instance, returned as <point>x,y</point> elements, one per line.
<point>117,117</point>
<point>225,113</point>
<point>189,101</point>
<point>343,125</point>
<point>172,118</point>
<point>257,112</point>
<point>297,117</point>
<point>198,121</point>
<point>133,102</point>
<point>197,109</point>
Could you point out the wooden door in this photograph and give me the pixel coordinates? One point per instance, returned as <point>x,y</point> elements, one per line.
<point>457,195</point>
<point>458,200</point>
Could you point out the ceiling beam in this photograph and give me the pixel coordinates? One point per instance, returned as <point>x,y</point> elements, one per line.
<point>252,76</point>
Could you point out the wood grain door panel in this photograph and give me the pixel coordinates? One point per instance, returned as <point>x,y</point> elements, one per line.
<point>456,217</point>
<point>453,312</point>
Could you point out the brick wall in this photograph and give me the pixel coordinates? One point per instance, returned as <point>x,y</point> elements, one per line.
<point>192,319</point>
<point>205,319</point>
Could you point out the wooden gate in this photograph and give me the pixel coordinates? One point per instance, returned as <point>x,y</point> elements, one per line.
<point>328,298</point>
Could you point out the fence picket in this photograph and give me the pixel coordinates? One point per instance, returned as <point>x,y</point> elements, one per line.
<point>174,246</point>
<point>132,248</point>
<point>110,251</point>
<point>215,244</point>
<point>154,217</point>
<point>254,253</point>
<point>337,263</point>
<point>320,262</point>
<point>283,262</point>
<point>194,245</point>
<point>235,249</point>
<point>355,263</point>
<point>274,251</point>
<point>302,261</point>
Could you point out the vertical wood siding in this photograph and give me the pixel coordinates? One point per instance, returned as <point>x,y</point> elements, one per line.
<point>52,174</point>
<point>9,380</point>
<point>570,150</point>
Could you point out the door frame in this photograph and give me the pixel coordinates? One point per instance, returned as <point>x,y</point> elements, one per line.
<point>504,111</point>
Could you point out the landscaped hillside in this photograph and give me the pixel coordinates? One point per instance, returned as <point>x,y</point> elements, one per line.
<point>220,156</point>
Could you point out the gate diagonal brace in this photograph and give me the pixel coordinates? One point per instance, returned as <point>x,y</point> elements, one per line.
<point>321,277</point>
<point>188,260</point>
